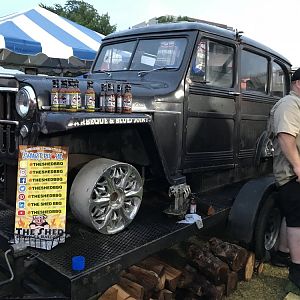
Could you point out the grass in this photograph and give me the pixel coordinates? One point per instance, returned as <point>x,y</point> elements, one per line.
<point>272,284</point>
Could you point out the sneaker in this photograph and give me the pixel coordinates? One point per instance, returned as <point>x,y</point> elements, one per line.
<point>294,274</point>
<point>280,259</point>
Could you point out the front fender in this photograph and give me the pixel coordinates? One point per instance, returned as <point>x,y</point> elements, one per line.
<point>245,209</point>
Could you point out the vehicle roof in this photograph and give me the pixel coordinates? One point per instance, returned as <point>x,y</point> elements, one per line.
<point>190,26</point>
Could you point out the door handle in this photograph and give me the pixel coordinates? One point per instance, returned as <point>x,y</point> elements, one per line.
<point>234,93</point>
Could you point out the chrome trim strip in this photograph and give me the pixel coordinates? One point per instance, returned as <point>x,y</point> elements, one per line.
<point>9,122</point>
<point>8,89</point>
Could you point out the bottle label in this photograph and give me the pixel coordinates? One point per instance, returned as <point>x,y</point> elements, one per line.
<point>193,208</point>
<point>110,103</point>
<point>90,101</point>
<point>127,103</point>
<point>102,102</point>
<point>54,99</point>
<point>119,103</point>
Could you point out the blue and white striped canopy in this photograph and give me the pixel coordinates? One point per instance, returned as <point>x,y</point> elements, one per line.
<point>38,34</point>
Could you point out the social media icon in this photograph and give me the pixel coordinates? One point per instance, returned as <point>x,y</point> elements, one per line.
<point>23,164</point>
<point>22,188</point>
<point>22,172</point>
<point>21,204</point>
<point>21,196</point>
<point>21,212</point>
<point>22,180</point>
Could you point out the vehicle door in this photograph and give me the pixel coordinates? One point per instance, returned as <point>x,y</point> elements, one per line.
<point>211,107</point>
<point>262,82</point>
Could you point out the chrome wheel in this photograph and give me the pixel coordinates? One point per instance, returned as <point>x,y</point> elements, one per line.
<point>106,195</point>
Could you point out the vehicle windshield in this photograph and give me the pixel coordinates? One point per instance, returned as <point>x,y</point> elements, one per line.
<point>141,55</point>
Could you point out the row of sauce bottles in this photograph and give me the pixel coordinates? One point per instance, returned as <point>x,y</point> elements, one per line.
<point>114,98</point>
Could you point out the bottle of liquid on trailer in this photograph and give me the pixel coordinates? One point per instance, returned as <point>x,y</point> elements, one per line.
<point>55,95</point>
<point>77,93</point>
<point>193,206</point>
<point>90,98</point>
<point>110,99</point>
<point>70,96</point>
<point>103,91</point>
<point>119,100</point>
<point>127,100</point>
<point>63,95</point>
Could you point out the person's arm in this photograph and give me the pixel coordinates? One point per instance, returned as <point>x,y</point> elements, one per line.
<point>289,148</point>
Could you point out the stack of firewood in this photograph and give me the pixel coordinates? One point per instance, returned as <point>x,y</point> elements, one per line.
<point>211,271</point>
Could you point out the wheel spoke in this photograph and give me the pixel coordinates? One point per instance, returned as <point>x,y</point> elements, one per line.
<point>134,193</point>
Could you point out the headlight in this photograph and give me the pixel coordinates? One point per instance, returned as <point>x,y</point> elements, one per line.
<point>25,101</point>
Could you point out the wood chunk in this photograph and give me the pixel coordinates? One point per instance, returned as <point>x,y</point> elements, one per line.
<point>210,291</point>
<point>109,294</point>
<point>164,295</point>
<point>158,269</point>
<point>171,274</point>
<point>291,296</point>
<point>232,282</point>
<point>121,294</point>
<point>211,266</point>
<point>246,272</point>
<point>132,288</point>
<point>259,267</point>
<point>234,255</point>
<point>186,279</point>
<point>148,279</point>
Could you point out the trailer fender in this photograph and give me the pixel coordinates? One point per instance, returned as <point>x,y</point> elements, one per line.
<point>246,206</point>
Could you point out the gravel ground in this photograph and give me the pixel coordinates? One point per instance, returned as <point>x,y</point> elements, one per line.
<point>272,284</point>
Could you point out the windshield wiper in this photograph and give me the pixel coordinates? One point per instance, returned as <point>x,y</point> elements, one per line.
<point>143,73</point>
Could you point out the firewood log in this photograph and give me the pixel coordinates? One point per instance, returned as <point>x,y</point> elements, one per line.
<point>231,283</point>
<point>132,288</point>
<point>234,255</point>
<point>158,269</point>
<point>163,295</point>
<point>171,274</point>
<point>210,291</point>
<point>246,272</point>
<point>211,266</point>
<point>259,267</point>
<point>109,294</point>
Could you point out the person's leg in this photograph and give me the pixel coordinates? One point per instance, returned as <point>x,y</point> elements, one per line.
<point>293,238</point>
<point>281,257</point>
<point>283,241</point>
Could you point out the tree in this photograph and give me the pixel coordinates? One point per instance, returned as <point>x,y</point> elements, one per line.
<point>84,14</point>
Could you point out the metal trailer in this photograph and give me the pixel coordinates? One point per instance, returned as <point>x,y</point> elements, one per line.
<point>49,275</point>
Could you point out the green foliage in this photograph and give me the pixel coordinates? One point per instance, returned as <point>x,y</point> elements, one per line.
<point>84,14</point>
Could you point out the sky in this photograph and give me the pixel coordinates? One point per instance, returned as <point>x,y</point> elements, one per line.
<point>273,23</point>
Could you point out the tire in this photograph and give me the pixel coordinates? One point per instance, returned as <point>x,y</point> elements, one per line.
<point>267,228</point>
<point>106,195</point>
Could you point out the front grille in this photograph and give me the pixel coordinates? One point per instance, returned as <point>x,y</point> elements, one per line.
<point>8,139</point>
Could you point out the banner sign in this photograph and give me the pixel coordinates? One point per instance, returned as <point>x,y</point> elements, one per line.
<point>41,196</point>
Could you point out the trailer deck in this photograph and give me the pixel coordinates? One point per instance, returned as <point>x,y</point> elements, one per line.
<point>106,255</point>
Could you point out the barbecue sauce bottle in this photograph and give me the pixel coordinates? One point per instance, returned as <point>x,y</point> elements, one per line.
<point>102,96</point>
<point>110,99</point>
<point>70,96</point>
<point>77,93</point>
<point>63,94</point>
<point>55,95</point>
<point>89,98</point>
<point>119,100</point>
<point>127,100</point>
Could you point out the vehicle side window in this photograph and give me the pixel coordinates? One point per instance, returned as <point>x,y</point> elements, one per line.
<point>278,81</point>
<point>254,72</point>
<point>213,64</point>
